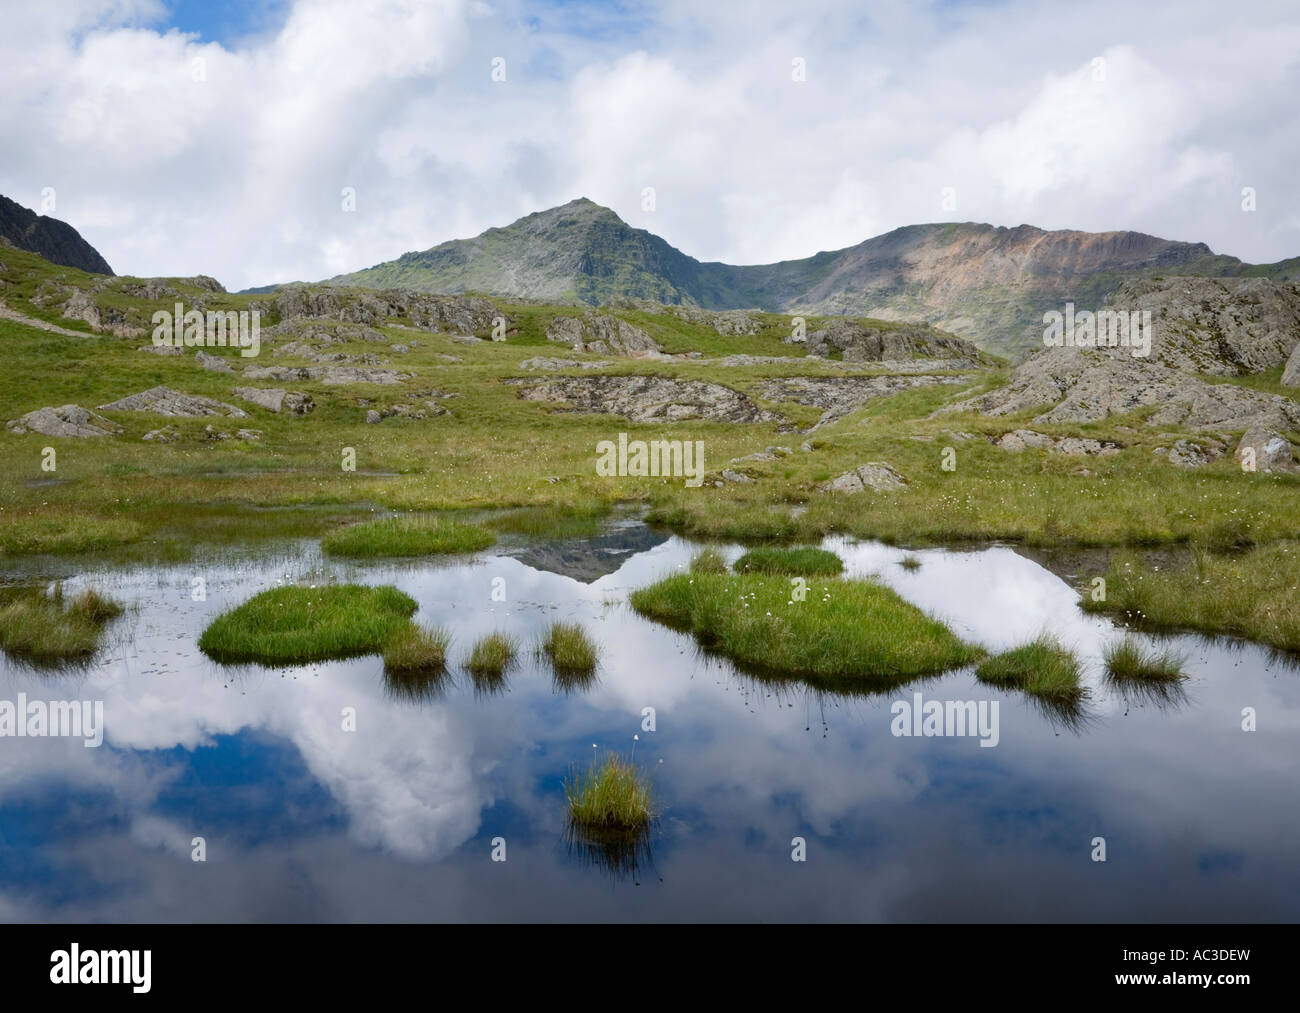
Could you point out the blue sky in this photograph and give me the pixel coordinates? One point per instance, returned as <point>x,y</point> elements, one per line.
<point>225,21</point>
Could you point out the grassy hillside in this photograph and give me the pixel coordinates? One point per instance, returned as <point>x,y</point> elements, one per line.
<point>491,448</point>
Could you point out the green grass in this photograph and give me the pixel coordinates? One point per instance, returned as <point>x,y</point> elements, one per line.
<point>1042,668</point>
<point>609,798</point>
<point>804,561</point>
<point>1128,661</point>
<point>492,655</point>
<point>1253,594</point>
<point>412,650</point>
<point>63,532</point>
<point>580,521</point>
<point>295,624</point>
<point>847,632</point>
<point>910,563</point>
<point>493,450</point>
<point>709,561</point>
<point>406,536</point>
<point>571,650</point>
<point>46,629</point>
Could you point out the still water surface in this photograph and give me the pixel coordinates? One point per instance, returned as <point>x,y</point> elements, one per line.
<point>304,821</point>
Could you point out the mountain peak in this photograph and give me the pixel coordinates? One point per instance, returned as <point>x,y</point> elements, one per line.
<point>583,207</point>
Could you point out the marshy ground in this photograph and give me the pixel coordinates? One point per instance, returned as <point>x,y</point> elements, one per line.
<point>439,557</point>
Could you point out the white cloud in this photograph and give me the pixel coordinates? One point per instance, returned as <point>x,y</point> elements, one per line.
<point>239,174</point>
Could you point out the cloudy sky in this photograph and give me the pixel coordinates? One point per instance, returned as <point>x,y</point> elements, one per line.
<point>217,137</point>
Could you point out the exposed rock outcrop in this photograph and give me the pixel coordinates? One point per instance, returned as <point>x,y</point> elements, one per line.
<point>543,362</point>
<point>1223,326</point>
<point>855,341</point>
<point>334,375</point>
<point>874,475</point>
<point>66,420</point>
<point>1073,446</point>
<point>277,399</point>
<point>1083,385</point>
<point>165,401</point>
<point>841,395</point>
<point>1291,374</point>
<point>602,334</point>
<point>313,334</point>
<point>727,322</point>
<point>644,398</point>
<point>460,314</point>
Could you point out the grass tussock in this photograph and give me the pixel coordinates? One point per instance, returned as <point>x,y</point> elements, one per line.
<point>1254,594</point>
<point>801,561</point>
<point>294,624</point>
<point>582,520</point>
<point>406,535</point>
<point>570,649</point>
<point>47,629</point>
<point>1042,668</point>
<point>609,798</point>
<point>1128,661</point>
<point>851,632</point>
<point>492,655</point>
<point>412,649</point>
<point>709,561</point>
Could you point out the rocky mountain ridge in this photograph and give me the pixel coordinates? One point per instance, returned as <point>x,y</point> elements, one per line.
<point>988,284</point>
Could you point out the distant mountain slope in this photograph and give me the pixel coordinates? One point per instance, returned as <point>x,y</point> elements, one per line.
<point>987,283</point>
<point>56,241</point>
<point>579,252</point>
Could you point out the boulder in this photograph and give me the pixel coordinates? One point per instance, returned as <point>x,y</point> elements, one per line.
<point>276,399</point>
<point>1190,454</point>
<point>1271,452</point>
<point>66,420</point>
<point>213,363</point>
<point>1022,438</point>
<point>875,475</point>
